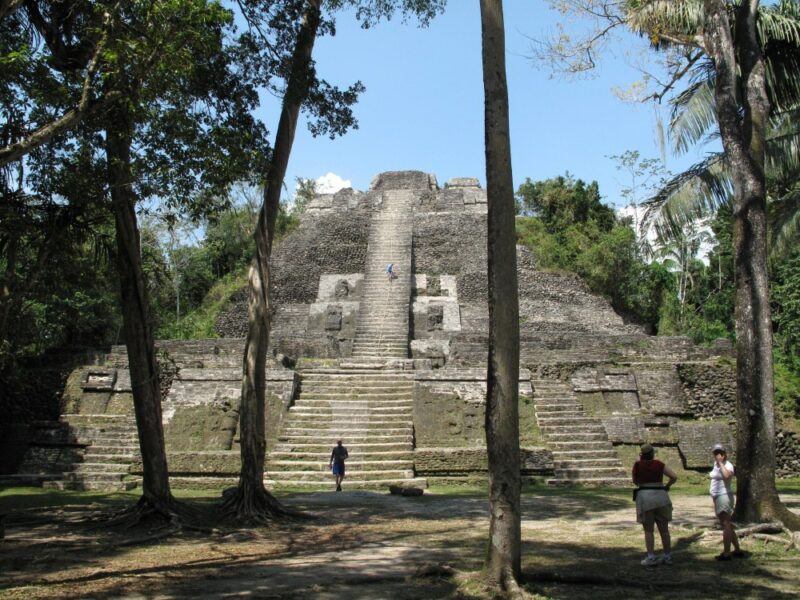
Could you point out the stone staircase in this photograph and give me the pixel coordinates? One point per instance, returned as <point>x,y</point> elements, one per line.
<point>370,410</point>
<point>111,447</point>
<point>581,451</point>
<point>382,327</point>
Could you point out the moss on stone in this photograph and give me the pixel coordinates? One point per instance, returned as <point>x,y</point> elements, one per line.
<point>71,398</point>
<point>200,428</point>
<point>529,432</point>
<point>121,403</point>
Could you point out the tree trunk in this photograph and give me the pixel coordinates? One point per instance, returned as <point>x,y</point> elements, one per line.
<point>502,392</point>
<point>138,335</point>
<point>743,138</point>
<point>251,501</point>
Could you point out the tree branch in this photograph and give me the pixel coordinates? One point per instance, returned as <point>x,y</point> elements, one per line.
<point>45,133</point>
<point>9,6</point>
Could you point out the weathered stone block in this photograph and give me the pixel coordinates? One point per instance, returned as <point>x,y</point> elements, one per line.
<point>94,403</point>
<point>660,390</point>
<point>697,439</point>
<point>120,403</point>
<point>435,318</point>
<point>625,429</point>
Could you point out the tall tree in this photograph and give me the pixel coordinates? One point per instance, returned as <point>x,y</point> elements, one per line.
<point>727,32</point>
<point>502,390</point>
<point>250,501</point>
<point>741,84</point>
<point>177,92</point>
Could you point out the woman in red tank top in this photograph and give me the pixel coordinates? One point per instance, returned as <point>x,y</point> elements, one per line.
<point>653,506</point>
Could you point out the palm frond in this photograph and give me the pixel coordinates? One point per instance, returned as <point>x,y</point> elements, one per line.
<point>694,194</point>
<point>693,115</point>
<point>657,18</point>
<point>784,220</point>
<point>779,33</point>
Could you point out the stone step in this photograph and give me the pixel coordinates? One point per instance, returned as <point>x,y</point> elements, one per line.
<point>354,455</point>
<point>354,448</point>
<point>99,457</point>
<point>348,484</point>
<point>551,421</point>
<point>583,472</point>
<point>378,347</point>
<point>127,441</point>
<point>321,476</point>
<point>576,436</point>
<point>94,478</point>
<point>305,413</point>
<point>354,429</point>
<point>345,423</point>
<point>351,439</point>
<point>384,398</point>
<point>101,468</point>
<point>591,482</point>
<point>577,428</point>
<point>359,376</point>
<point>593,446</point>
<point>355,388</point>
<point>584,454</point>
<point>105,486</point>
<point>347,405</point>
<point>568,411</point>
<point>100,420</point>
<point>205,482</point>
<point>587,462</point>
<point>106,449</point>
<point>299,418</point>
<point>352,465</point>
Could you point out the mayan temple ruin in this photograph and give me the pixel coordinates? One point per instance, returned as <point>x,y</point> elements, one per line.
<point>396,366</point>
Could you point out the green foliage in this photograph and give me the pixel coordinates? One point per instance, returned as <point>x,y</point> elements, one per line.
<point>199,323</point>
<point>576,233</point>
<point>564,201</point>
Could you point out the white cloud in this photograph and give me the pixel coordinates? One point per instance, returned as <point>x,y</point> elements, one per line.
<point>330,183</point>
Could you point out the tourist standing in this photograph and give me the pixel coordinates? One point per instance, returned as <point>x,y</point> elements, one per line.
<point>390,271</point>
<point>722,495</point>
<point>336,464</point>
<point>653,506</point>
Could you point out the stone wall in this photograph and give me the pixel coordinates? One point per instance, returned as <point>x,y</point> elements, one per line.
<point>449,407</point>
<point>454,463</point>
<point>787,454</point>
<point>710,388</point>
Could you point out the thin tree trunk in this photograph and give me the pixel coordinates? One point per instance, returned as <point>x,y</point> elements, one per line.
<point>138,334</point>
<point>743,139</point>
<point>251,501</point>
<point>502,393</point>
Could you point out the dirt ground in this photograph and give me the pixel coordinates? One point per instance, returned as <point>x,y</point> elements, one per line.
<point>365,545</point>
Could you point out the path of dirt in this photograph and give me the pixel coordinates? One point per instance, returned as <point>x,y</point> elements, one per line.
<point>370,545</point>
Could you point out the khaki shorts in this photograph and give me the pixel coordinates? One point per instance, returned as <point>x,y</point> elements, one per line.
<point>723,504</point>
<point>662,514</point>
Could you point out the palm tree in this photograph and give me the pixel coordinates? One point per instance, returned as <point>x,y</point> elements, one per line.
<point>700,190</point>
<point>752,55</point>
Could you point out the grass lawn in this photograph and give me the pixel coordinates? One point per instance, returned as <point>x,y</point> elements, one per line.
<point>577,543</point>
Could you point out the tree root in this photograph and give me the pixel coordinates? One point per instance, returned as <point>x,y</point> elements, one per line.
<point>255,506</point>
<point>511,586</point>
<point>168,512</point>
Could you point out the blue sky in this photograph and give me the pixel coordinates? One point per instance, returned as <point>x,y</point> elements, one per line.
<point>423,107</point>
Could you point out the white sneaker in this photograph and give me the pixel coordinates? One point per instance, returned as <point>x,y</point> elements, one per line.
<point>665,559</point>
<point>650,561</point>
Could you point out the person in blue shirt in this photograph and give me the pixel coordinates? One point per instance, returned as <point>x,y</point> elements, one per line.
<point>336,464</point>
